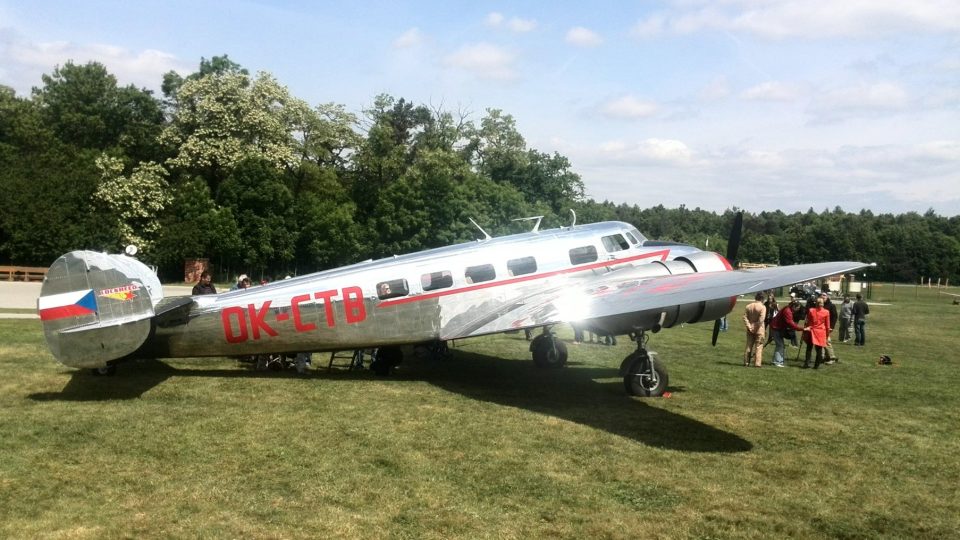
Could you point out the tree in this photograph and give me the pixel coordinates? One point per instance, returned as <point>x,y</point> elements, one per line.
<point>135,202</point>
<point>263,205</point>
<point>222,119</point>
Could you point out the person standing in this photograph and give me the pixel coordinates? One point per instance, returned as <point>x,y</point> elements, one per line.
<point>753,318</point>
<point>779,326</point>
<point>829,356</point>
<point>205,285</point>
<point>815,332</point>
<point>860,312</point>
<point>846,319</point>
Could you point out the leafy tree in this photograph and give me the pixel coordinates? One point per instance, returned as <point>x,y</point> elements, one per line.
<point>193,226</point>
<point>267,238</point>
<point>222,119</point>
<point>135,202</point>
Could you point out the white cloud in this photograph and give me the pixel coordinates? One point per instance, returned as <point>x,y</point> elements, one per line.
<point>806,18</point>
<point>861,100</point>
<point>23,62</point>
<point>515,24</point>
<point>583,37</point>
<point>884,178</point>
<point>629,107</point>
<point>771,91</point>
<point>522,25</point>
<point>410,38</point>
<point>484,60</point>
<point>648,151</point>
<point>494,19</point>
<point>716,89</point>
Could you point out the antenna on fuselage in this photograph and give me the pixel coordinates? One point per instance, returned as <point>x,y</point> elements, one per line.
<point>536,226</point>
<point>573,220</point>
<point>486,236</point>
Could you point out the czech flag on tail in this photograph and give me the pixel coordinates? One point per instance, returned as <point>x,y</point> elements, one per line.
<point>69,304</point>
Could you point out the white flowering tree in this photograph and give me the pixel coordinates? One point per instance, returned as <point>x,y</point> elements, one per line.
<point>223,118</point>
<point>135,202</point>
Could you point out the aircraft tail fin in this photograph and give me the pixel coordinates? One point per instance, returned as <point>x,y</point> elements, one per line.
<point>97,307</point>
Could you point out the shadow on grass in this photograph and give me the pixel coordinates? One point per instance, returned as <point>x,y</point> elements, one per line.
<point>584,395</point>
<point>590,396</point>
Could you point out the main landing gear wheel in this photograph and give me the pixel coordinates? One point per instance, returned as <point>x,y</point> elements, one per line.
<point>548,351</point>
<point>642,373</point>
<point>643,381</point>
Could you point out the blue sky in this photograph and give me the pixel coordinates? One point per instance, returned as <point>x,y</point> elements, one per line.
<point>761,105</point>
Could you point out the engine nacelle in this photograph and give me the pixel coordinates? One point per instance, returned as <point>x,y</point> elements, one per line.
<point>709,310</point>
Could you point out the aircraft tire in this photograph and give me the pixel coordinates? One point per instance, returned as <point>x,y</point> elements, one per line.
<point>641,385</point>
<point>105,371</point>
<point>549,352</point>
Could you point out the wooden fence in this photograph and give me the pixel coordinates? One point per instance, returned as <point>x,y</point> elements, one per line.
<point>22,273</point>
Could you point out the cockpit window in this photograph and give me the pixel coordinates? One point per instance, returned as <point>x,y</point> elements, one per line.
<point>392,289</point>
<point>633,239</point>
<point>583,255</point>
<point>641,238</point>
<point>482,272</point>
<point>615,242</point>
<point>436,280</point>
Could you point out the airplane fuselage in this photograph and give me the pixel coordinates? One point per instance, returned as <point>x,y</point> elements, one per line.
<point>420,297</point>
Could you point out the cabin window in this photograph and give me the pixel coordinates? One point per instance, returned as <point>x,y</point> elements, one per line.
<point>582,255</point>
<point>633,239</point>
<point>436,280</point>
<point>615,242</point>
<point>392,289</point>
<point>521,266</point>
<point>479,273</point>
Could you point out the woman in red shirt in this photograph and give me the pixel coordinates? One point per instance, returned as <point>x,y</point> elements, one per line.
<point>816,328</point>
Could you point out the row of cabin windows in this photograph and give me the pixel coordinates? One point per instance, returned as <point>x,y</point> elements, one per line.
<point>486,272</point>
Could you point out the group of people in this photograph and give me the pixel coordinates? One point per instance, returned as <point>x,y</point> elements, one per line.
<point>820,317</point>
<point>603,339</point>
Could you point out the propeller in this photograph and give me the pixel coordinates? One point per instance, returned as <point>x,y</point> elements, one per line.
<point>733,245</point>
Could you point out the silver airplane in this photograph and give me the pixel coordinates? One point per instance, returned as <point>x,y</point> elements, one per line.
<point>98,309</point>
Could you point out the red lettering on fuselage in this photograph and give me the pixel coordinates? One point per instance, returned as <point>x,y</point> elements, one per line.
<point>225,315</point>
<point>326,296</point>
<point>295,307</point>
<point>258,319</point>
<point>241,324</point>
<point>353,305</point>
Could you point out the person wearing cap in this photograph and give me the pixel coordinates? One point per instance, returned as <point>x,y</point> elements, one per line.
<point>753,318</point>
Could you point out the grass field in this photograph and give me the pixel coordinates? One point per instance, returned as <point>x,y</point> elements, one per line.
<point>484,445</point>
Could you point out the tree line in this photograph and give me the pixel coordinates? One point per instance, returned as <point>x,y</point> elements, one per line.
<point>230,166</point>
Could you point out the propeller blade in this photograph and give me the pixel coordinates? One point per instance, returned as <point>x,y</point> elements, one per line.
<point>733,245</point>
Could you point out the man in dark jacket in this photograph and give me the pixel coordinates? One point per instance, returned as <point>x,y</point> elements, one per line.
<point>205,285</point>
<point>831,357</point>
<point>860,312</point>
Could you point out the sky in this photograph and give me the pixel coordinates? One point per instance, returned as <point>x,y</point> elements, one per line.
<point>758,105</point>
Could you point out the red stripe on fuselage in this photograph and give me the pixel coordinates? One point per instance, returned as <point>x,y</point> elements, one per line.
<point>662,255</point>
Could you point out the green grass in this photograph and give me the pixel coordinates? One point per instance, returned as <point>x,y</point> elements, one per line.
<point>484,445</point>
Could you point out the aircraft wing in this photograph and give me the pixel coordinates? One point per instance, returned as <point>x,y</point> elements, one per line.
<point>631,292</point>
